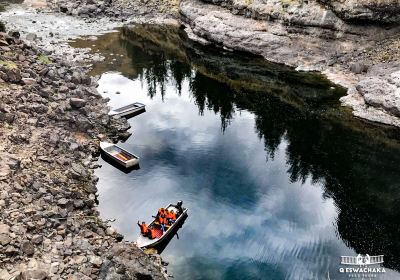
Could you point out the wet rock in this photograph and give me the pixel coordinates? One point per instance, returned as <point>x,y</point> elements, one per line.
<point>77,103</point>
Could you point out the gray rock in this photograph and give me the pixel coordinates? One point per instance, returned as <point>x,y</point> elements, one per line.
<point>77,103</point>
<point>358,68</point>
<point>96,261</point>
<point>31,37</point>
<point>14,75</point>
<point>37,239</point>
<point>110,231</point>
<point>4,228</point>
<point>28,81</point>
<point>4,239</point>
<point>387,11</point>
<point>27,248</point>
<point>76,78</point>
<point>35,274</point>
<point>63,202</point>
<point>380,93</point>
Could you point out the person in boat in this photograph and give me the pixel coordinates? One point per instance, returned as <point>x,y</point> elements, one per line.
<point>144,230</point>
<point>152,233</point>
<point>171,217</point>
<point>179,207</point>
<point>162,218</point>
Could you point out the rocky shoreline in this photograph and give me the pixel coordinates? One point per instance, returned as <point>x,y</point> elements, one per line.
<point>362,57</point>
<point>52,119</point>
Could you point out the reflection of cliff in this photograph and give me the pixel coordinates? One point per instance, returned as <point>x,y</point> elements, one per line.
<point>357,162</point>
<point>239,72</point>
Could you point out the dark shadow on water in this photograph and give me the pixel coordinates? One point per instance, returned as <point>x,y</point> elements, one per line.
<point>134,114</point>
<point>174,233</point>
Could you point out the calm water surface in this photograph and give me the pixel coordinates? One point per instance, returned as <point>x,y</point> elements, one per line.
<point>278,180</point>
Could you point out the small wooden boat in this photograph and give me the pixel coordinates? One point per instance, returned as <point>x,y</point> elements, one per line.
<point>120,155</point>
<point>146,242</point>
<point>128,110</point>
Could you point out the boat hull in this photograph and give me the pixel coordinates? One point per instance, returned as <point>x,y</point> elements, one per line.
<point>145,242</point>
<point>129,111</point>
<point>106,147</point>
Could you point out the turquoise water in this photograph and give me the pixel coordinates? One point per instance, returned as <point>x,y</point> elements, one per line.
<point>279,181</point>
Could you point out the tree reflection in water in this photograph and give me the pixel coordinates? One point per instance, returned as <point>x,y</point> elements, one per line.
<point>357,162</point>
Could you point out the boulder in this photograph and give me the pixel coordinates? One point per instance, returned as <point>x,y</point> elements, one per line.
<point>77,103</point>
<point>358,68</point>
<point>381,93</point>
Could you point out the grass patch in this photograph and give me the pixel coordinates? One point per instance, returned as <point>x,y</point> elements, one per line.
<point>8,64</point>
<point>44,59</point>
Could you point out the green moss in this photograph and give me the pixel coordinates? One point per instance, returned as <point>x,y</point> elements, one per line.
<point>44,59</point>
<point>8,64</point>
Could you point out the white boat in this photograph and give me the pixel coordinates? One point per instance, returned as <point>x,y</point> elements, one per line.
<point>146,242</point>
<point>120,155</point>
<point>128,110</point>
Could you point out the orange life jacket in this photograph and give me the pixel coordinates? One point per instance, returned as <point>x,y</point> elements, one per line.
<point>171,215</point>
<point>152,233</point>
<point>143,229</point>
<point>162,219</point>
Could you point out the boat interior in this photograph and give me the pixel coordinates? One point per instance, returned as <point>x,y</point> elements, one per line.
<point>120,154</point>
<point>156,225</point>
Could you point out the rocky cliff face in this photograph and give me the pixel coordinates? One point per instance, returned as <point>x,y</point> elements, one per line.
<point>387,11</point>
<point>334,37</point>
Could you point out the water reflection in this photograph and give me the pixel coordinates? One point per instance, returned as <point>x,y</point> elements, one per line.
<point>279,182</point>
